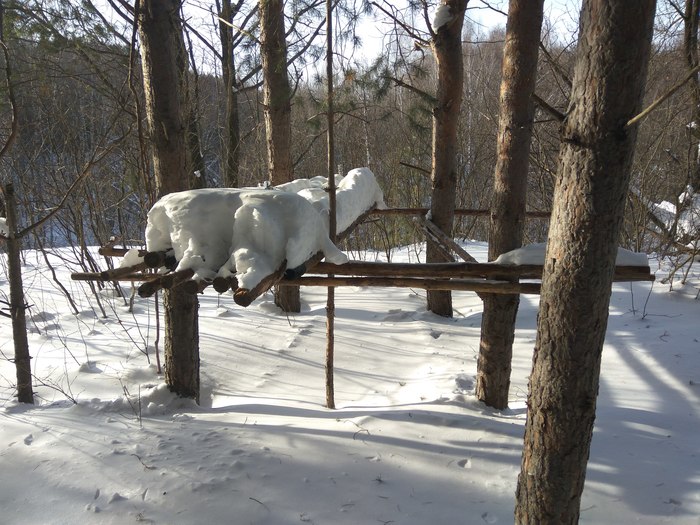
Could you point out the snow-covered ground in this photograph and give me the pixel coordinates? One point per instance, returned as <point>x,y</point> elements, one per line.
<point>408,443</point>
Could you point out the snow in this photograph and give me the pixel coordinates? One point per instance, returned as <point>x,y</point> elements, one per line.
<point>408,444</point>
<point>250,232</point>
<point>534,254</point>
<point>131,258</point>
<point>4,230</point>
<point>441,17</point>
<point>688,219</point>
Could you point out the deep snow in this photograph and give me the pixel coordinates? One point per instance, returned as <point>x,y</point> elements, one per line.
<point>408,444</point>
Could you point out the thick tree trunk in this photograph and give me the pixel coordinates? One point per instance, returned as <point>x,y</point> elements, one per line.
<point>519,72</point>
<point>447,48</point>
<point>278,115</point>
<point>162,47</point>
<point>231,134</point>
<point>589,201</point>
<point>18,306</point>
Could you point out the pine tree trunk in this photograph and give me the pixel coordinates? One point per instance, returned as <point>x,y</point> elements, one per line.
<point>18,307</point>
<point>447,48</point>
<point>231,133</point>
<point>278,115</point>
<point>162,48</point>
<point>592,183</point>
<point>519,72</point>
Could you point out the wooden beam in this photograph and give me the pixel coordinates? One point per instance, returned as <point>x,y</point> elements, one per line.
<point>460,270</point>
<point>469,285</point>
<point>441,238</point>
<point>459,211</point>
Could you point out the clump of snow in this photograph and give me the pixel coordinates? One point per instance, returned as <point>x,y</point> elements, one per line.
<point>131,258</point>
<point>442,16</point>
<point>272,227</point>
<point>534,254</point>
<point>249,232</point>
<point>4,230</point>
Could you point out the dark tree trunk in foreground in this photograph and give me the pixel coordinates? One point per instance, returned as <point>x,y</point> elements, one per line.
<point>18,306</point>
<point>690,44</point>
<point>278,115</point>
<point>447,48</point>
<point>519,72</point>
<point>589,201</point>
<point>162,48</point>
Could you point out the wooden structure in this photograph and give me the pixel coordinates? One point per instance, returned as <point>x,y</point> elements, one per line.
<point>157,271</point>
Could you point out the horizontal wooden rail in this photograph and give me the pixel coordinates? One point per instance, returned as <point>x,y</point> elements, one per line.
<point>459,212</point>
<point>467,285</point>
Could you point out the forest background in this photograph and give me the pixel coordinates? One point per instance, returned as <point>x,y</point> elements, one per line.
<point>80,114</point>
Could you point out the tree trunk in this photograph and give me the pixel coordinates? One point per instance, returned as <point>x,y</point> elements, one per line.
<point>519,72</point>
<point>447,48</point>
<point>278,113</point>
<point>589,200</point>
<point>160,30</point>
<point>18,306</point>
<point>690,42</point>
<point>231,135</point>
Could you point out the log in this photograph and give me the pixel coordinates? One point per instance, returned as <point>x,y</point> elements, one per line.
<point>223,284</point>
<point>461,212</point>
<point>459,270</point>
<point>111,251</point>
<point>243,297</point>
<point>166,281</point>
<point>469,285</point>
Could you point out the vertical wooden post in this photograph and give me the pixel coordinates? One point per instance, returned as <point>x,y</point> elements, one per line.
<point>330,303</point>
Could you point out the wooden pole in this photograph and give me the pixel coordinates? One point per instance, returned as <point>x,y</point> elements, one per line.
<point>330,303</point>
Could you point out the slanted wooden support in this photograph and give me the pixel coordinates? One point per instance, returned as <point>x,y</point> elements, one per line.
<point>468,285</point>
<point>128,273</point>
<point>443,240</point>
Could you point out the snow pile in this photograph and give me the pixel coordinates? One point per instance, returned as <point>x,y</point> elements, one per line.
<point>534,254</point>
<point>442,17</point>
<point>131,258</point>
<point>250,232</point>
<point>355,193</point>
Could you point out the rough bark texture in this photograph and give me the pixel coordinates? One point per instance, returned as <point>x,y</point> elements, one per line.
<point>519,72</point>
<point>447,48</point>
<point>162,48</point>
<point>231,134</point>
<point>278,115</point>
<point>690,42</point>
<point>18,307</point>
<point>589,200</point>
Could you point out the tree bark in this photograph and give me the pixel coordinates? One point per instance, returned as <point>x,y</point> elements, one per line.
<point>231,135</point>
<point>592,182</point>
<point>447,48</point>
<point>160,30</point>
<point>18,306</point>
<point>519,73</point>
<point>278,115</point>
<point>690,43</point>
